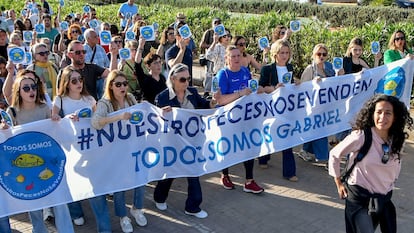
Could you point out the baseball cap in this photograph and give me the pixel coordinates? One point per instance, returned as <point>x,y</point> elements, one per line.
<point>3,30</point>
<point>180,15</point>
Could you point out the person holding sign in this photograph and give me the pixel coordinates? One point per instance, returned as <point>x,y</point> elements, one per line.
<point>397,48</point>
<point>180,53</point>
<point>179,94</point>
<point>281,32</point>
<point>126,11</point>
<point>273,76</point>
<point>216,54</point>
<point>368,186</point>
<point>28,105</point>
<point>319,69</point>
<point>153,82</point>
<point>233,83</point>
<point>246,59</point>
<point>116,97</point>
<point>353,63</point>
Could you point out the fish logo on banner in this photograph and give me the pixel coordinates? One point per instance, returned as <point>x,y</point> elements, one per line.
<point>392,83</point>
<point>32,165</point>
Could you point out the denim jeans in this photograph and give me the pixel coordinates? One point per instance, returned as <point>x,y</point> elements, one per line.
<point>194,194</point>
<point>289,164</point>
<point>100,211</point>
<point>119,201</point>
<point>5,225</point>
<point>62,220</point>
<point>319,147</point>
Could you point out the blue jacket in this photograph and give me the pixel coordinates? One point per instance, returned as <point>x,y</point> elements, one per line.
<point>163,99</point>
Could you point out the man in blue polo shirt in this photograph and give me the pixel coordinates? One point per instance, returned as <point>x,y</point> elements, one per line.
<point>126,11</point>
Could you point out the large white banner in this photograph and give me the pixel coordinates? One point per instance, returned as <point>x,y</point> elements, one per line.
<point>46,163</point>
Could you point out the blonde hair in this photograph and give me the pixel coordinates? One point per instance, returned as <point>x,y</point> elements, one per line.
<point>277,46</point>
<point>109,93</point>
<point>317,47</point>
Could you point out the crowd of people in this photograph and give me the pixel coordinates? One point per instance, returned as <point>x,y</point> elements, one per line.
<point>71,68</point>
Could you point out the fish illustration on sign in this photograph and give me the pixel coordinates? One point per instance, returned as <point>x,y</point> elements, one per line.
<point>28,160</point>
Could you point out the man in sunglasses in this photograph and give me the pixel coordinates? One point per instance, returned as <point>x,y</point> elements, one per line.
<point>91,72</point>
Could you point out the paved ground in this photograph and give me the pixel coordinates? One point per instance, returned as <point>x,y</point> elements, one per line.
<point>310,205</point>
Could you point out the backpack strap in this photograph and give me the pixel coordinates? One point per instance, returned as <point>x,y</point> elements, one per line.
<point>361,154</point>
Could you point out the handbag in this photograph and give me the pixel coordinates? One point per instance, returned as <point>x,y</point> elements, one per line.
<point>203,60</point>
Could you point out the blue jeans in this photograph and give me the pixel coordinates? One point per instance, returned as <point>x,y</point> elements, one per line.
<point>100,210</point>
<point>289,164</point>
<point>194,194</point>
<point>62,220</point>
<point>319,147</point>
<point>119,201</point>
<point>5,225</point>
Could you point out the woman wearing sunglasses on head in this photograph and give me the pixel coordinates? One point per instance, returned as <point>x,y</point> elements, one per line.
<point>371,180</point>
<point>28,105</point>
<point>180,94</point>
<point>116,97</point>
<point>246,59</point>
<point>319,69</point>
<point>397,48</point>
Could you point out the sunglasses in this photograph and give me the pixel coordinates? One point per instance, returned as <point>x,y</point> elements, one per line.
<point>74,81</point>
<point>45,53</point>
<point>282,33</point>
<point>118,41</point>
<point>171,33</point>
<point>79,52</point>
<point>241,44</point>
<point>322,54</point>
<point>386,155</point>
<point>119,84</point>
<point>184,79</point>
<point>26,88</point>
<point>399,38</point>
<point>75,31</point>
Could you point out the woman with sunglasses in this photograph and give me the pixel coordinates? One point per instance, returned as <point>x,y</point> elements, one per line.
<point>216,53</point>
<point>319,69</point>
<point>246,60</point>
<point>28,105</point>
<point>371,181</point>
<point>116,97</point>
<point>281,32</point>
<point>397,48</point>
<point>180,94</point>
<point>65,37</point>
<point>166,42</point>
<point>45,69</point>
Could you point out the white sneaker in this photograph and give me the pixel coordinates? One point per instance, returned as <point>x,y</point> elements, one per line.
<point>126,225</point>
<point>79,221</point>
<point>161,206</point>
<point>139,217</point>
<point>48,214</point>
<point>305,156</point>
<point>201,214</point>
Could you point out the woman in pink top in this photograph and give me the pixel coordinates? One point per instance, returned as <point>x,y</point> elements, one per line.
<point>371,181</point>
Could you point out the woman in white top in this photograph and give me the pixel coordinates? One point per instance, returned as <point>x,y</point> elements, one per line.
<point>72,95</point>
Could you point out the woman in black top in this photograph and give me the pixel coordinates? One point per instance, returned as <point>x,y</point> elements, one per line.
<point>153,82</point>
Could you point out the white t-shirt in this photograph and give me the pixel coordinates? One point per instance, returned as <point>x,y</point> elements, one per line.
<point>281,70</point>
<point>71,105</point>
